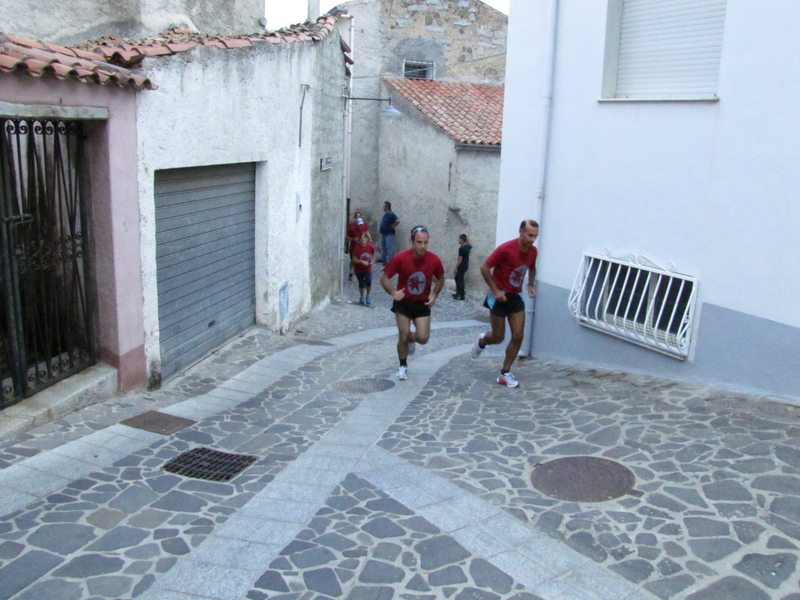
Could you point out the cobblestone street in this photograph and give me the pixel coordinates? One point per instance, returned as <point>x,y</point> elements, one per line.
<point>368,488</point>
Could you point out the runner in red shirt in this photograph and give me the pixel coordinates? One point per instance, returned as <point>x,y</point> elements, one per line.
<point>504,272</point>
<point>413,298</point>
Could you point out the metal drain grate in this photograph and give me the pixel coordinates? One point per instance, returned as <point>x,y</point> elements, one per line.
<point>583,479</point>
<point>158,422</point>
<point>362,385</point>
<point>212,465</point>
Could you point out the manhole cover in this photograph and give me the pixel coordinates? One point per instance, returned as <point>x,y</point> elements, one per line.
<point>314,342</point>
<point>158,422</point>
<point>362,385</point>
<point>583,479</point>
<point>205,463</point>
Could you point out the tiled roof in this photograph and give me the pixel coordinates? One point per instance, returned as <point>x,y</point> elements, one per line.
<point>110,58</point>
<point>40,59</point>
<point>129,53</point>
<point>470,113</point>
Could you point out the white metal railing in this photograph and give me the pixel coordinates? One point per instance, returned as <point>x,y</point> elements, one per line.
<point>643,303</point>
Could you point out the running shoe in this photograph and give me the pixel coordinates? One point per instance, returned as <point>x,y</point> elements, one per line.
<point>508,380</point>
<point>476,349</point>
<point>361,300</point>
<point>402,373</point>
<point>369,300</point>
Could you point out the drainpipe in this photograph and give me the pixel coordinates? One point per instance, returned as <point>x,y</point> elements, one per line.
<point>348,145</point>
<point>544,143</point>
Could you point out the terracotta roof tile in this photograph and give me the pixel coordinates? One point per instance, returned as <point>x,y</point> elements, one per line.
<point>36,59</point>
<point>111,58</point>
<point>470,113</point>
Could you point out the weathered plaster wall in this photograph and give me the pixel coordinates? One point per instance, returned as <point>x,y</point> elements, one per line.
<point>81,20</point>
<point>461,36</point>
<point>218,106</point>
<point>429,183</point>
<point>113,213</point>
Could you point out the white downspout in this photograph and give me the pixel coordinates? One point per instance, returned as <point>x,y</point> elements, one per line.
<point>348,145</point>
<point>543,155</point>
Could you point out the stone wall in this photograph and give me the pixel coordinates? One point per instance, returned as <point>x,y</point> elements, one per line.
<point>460,36</point>
<point>80,20</point>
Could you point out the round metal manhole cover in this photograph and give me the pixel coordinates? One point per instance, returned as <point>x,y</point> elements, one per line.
<point>583,479</point>
<point>362,385</point>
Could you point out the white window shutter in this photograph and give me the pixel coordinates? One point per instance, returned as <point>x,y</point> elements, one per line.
<point>670,48</point>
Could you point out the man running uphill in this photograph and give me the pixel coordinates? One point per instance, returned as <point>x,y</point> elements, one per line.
<point>504,272</point>
<point>412,298</point>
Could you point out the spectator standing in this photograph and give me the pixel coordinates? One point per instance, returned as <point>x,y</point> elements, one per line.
<point>462,264</point>
<point>389,224</point>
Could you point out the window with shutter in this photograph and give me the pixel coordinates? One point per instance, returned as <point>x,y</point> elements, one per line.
<point>663,49</point>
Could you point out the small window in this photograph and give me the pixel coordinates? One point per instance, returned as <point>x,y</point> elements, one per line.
<point>418,70</point>
<point>663,49</point>
<point>645,305</point>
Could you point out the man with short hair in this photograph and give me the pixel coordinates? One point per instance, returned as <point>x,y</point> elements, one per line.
<point>462,264</point>
<point>412,298</point>
<point>504,272</point>
<point>389,224</point>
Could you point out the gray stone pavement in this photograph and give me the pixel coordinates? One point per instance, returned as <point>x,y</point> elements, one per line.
<point>367,488</point>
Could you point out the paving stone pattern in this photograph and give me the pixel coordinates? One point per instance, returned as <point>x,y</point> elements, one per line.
<point>714,515</point>
<point>364,544</point>
<point>717,478</point>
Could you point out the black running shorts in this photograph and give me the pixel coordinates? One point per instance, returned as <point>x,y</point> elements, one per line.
<point>411,309</point>
<point>513,304</point>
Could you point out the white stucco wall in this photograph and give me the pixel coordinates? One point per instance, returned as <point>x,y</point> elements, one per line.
<point>710,187</point>
<point>218,106</point>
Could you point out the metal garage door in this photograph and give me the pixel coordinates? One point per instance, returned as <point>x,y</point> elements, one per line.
<point>205,254</point>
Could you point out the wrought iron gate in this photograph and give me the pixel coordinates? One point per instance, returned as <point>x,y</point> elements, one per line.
<point>46,331</point>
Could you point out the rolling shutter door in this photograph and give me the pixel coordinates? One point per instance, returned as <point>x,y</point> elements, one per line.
<point>670,48</point>
<point>205,255</point>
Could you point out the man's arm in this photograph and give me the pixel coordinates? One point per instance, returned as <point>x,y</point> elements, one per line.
<point>435,292</point>
<point>396,223</point>
<point>531,283</point>
<point>486,271</point>
<point>386,284</point>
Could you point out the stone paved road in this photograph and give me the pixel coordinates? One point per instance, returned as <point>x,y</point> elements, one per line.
<point>366,488</point>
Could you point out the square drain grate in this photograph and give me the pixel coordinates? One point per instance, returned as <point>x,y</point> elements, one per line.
<point>362,385</point>
<point>212,465</point>
<point>158,422</point>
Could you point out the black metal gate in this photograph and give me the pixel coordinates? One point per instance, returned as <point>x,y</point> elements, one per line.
<point>46,331</point>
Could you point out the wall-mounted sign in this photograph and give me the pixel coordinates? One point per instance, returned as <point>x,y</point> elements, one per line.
<point>325,163</point>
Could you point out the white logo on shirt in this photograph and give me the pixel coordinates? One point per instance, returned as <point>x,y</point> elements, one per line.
<point>416,283</point>
<point>518,276</point>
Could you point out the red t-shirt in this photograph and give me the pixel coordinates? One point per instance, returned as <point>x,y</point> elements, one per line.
<point>415,275</point>
<point>354,230</point>
<point>510,265</point>
<point>362,253</point>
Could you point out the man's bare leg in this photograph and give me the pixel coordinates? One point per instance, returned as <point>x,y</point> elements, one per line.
<point>516,321</point>
<point>404,337</point>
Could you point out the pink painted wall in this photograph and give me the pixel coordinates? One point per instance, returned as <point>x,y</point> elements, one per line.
<point>113,210</point>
